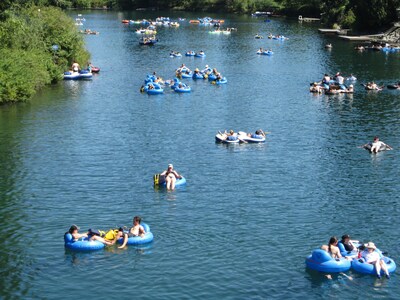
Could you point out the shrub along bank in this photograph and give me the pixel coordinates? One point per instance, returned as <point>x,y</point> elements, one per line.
<point>36,46</point>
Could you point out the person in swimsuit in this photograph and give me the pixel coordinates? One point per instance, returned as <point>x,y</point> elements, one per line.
<point>92,236</point>
<point>377,144</point>
<point>170,177</point>
<point>347,247</point>
<point>135,230</point>
<point>332,248</point>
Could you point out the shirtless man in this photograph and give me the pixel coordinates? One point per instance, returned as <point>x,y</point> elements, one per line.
<point>135,230</point>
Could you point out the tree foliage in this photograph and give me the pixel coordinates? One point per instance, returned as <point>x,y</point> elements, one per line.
<point>27,37</point>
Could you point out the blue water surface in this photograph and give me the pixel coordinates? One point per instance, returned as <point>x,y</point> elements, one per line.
<point>84,152</point>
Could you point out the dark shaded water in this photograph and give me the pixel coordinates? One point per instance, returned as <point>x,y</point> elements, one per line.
<point>85,153</point>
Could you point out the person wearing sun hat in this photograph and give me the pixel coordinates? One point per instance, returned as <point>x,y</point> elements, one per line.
<point>170,177</point>
<point>371,256</point>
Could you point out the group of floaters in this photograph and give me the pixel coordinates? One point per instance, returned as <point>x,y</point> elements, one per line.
<point>333,84</point>
<point>154,84</point>
<point>207,21</point>
<point>223,31</point>
<point>262,51</point>
<point>201,53</point>
<point>138,234</point>
<point>378,47</point>
<point>148,40</point>
<point>89,31</point>
<point>77,73</point>
<point>272,37</point>
<point>160,21</point>
<point>233,137</point>
<point>211,74</point>
<point>340,256</point>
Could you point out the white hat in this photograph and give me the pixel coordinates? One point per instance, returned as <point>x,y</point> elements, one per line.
<point>170,165</point>
<point>370,245</point>
<point>350,85</point>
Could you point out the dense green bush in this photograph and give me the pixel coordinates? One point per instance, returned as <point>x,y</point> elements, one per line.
<point>28,60</point>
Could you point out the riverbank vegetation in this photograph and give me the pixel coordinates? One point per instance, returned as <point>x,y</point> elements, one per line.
<point>367,15</point>
<point>36,46</point>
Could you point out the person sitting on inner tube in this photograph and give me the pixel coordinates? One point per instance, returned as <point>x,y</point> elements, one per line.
<point>346,246</point>
<point>349,90</point>
<point>370,256</point>
<point>326,79</point>
<point>75,67</point>
<point>332,248</point>
<point>377,144</point>
<point>170,177</point>
<point>91,234</point>
<point>339,78</point>
<point>260,132</point>
<point>315,88</point>
<point>135,230</point>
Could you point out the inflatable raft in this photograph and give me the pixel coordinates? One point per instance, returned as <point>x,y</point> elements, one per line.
<point>251,138</point>
<point>393,87</point>
<point>361,266</point>
<point>227,139</point>
<point>198,76</point>
<point>159,180</point>
<point>83,244</point>
<point>320,260</point>
<point>84,74</point>
<point>181,87</point>
<point>138,240</point>
<point>153,88</point>
<point>220,81</point>
<point>382,148</point>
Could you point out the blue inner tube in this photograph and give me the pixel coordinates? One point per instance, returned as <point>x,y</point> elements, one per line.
<point>178,182</point>
<point>81,245</point>
<point>185,89</point>
<point>187,75</point>
<point>362,267</point>
<point>212,77</point>
<point>137,240</point>
<point>221,81</point>
<point>198,76</point>
<point>320,260</point>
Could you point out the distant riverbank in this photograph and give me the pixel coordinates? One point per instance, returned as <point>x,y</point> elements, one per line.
<point>37,44</point>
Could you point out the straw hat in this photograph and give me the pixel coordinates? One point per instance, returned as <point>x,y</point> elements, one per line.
<point>370,245</point>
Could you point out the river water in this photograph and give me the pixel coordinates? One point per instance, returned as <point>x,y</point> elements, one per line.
<point>85,153</point>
